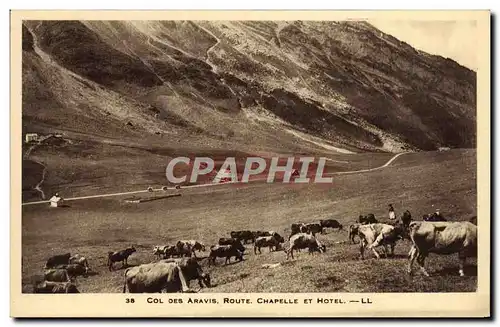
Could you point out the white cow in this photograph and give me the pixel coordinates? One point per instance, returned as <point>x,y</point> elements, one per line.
<point>378,234</point>
<point>443,237</point>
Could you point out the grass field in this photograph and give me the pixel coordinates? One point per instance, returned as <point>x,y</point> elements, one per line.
<point>419,182</point>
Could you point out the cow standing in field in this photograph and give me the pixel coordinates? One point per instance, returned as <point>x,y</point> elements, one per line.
<point>80,260</point>
<point>195,245</point>
<point>373,235</point>
<point>442,238</point>
<point>232,241</point>
<point>268,241</point>
<point>74,270</point>
<point>60,259</point>
<point>160,251</point>
<point>157,277</point>
<point>313,228</point>
<point>120,256</point>
<point>184,249</point>
<point>48,287</point>
<point>302,241</point>
<point>225,251</point>
<point>243,236</point>
<point>192,270</point>
<point>330,223</point>
<point>297,228</point>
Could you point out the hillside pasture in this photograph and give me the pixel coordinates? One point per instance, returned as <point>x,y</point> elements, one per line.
<point>418,182</point>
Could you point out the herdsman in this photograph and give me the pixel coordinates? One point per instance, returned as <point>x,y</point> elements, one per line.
<point>392,215</point>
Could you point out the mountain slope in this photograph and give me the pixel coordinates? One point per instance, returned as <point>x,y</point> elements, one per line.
<point>245,84</point>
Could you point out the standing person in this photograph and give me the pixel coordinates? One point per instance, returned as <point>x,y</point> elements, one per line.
<point>392,214</point>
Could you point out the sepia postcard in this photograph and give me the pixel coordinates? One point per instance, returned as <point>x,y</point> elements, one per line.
<point>250,164</point>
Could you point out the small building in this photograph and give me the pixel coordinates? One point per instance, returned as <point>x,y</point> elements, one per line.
<point>31,137</point>
<point>56,201</point>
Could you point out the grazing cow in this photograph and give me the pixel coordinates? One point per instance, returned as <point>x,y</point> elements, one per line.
<point>243,236</point>
<point>184,249</point>
<point>195,245</point>
<point>49,287</point>
<point>192,270</point>
<point>120,256</point>
<point>224,251</point>
<point>373,235</point>
<point>160,250</point>
<point>80,260</point>
<point>302,241</point>
<point>368,219</point>
<point>314,228</point>
<point>442,238</point>
<point>260,233</point>
<point>156,277</point>
<point>266,241</point>
<point>353,231</point>
<point>297,228</point>
<point>74,270</point>
<point>231,241</point>
<point>56,275</point>
<point>330,223</point>
<point>60,259</point>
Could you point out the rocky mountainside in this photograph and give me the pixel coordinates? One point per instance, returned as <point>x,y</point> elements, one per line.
<point>343,86</point>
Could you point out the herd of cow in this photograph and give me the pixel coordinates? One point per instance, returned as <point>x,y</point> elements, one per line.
<point>178,264</point>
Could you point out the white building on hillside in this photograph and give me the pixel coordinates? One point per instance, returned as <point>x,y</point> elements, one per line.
<point>56,201</point>
<point>31,137</point>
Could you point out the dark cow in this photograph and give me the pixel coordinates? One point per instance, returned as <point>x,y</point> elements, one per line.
<point>244,236</point>
<point>60,259</point>
<point>297,228</point>
<point>330,223</point>
<point>232,241</point>
<point>184,249</point>
<point>192,270</point>
<point>368,219</point>
<point>224,251</point>
<point>433,217</point>
<point>268,241</point>
<point>120,256</point>
<point>74,270</point>
<point>314,228</point>
<point>49,287</point>
<point>405,221</point>
<point>353,231</point>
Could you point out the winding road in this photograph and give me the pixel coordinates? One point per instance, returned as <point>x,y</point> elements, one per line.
<point>215,184</point>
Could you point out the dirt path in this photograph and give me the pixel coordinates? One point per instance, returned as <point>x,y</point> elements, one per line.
<point>214,184</point>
